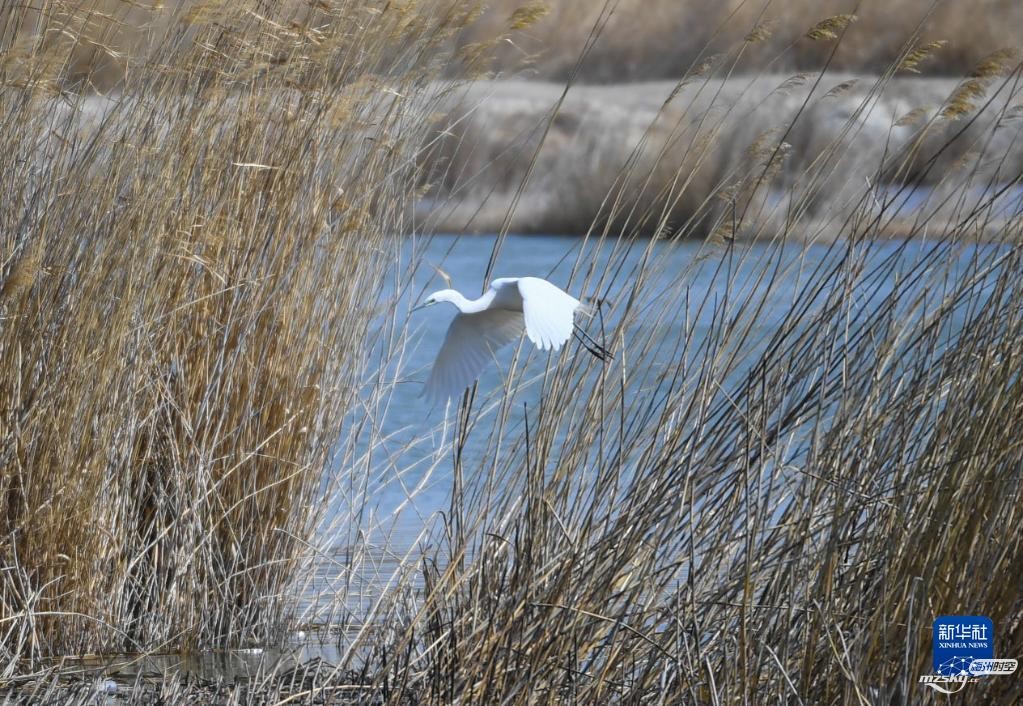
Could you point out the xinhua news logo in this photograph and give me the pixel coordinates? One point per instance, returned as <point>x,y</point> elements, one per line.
<point>964,652</point>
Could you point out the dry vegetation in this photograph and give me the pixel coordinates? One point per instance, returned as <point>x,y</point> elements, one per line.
<point>724,513</point>
<point>855,111</point>
<point>641,40</point>
<point>660,39</point>
<point>187,289</point>
<point>837,134</point>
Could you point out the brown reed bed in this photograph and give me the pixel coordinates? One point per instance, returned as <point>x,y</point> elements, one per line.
<point>643,40</point>
<point>731,514</point>
<point>657,39</point>
<point>188,278</point>
<point>193,289</point>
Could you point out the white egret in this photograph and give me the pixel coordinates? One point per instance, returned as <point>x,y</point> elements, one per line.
<point>497,318</point>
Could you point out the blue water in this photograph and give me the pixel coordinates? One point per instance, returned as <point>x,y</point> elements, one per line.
<point>400,492</point>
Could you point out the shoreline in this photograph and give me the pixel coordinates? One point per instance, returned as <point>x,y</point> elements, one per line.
<point>639,141</point>
<point>672,153</point>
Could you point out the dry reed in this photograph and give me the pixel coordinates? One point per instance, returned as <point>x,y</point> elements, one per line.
<point>734,510</point>
<point>726,512</point>
<point>186,296</point>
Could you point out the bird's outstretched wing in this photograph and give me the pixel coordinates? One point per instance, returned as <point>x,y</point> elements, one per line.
<point>470,343</point>
<point>549,313</point>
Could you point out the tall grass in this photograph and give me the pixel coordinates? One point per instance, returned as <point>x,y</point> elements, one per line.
<point>641,40</point>
<point>744,506</point>
<point>736,508</point>
<point>190,268</point>
<point>657,39</point>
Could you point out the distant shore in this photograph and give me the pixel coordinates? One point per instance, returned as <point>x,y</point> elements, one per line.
<point>802,151</point>
<point>841,143</point>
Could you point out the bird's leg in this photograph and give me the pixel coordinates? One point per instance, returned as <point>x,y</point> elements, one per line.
<point>598,350</point>
<point>595,349</point>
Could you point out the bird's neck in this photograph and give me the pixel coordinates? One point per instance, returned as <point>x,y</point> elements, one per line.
<point>473,306</point>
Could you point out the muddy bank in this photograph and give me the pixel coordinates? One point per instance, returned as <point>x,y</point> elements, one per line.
<point>773,149</point>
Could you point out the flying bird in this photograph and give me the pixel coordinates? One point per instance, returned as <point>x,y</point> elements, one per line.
<point>484,325</point>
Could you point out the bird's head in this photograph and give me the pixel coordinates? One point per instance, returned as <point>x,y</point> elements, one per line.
<point>444,295</point>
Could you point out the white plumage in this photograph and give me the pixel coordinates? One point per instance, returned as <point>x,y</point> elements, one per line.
<point>484,325</point>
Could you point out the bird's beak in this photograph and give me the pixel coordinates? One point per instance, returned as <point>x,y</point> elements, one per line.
<point>421,306</point>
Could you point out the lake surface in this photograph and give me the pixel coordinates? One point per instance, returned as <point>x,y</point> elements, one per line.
<point>390,506</point>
